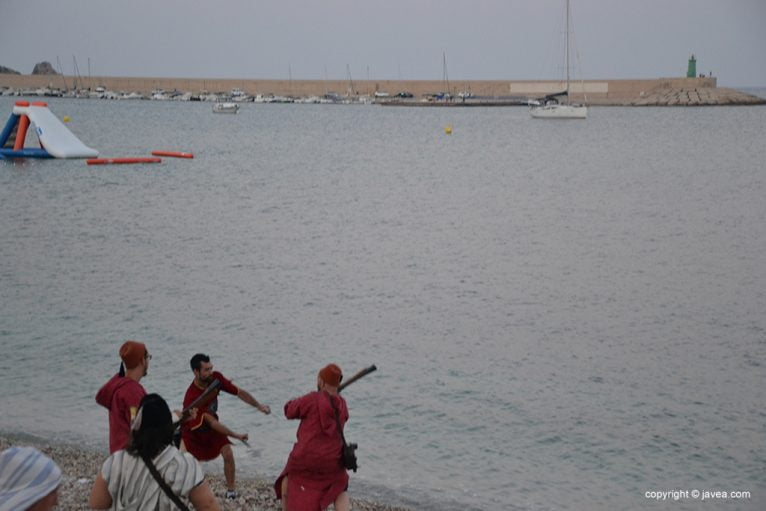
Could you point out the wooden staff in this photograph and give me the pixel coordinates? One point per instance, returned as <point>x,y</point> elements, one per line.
<point>363,372</point>
<point>202,398</point>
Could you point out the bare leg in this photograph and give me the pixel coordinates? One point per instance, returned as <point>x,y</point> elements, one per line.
<point>228,467</point>
<point>284,493</point>
<point>343,502</point>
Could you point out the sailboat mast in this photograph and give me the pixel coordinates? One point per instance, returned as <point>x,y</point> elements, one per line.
<point>445,76</point>
<point>350,81</point>
<point>567,58</point>
<point>61,70</point>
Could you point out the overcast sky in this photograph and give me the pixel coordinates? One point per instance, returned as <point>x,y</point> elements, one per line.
<point>387,39</point>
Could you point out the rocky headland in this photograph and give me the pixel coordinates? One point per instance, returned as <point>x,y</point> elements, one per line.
<point>44,68</point>
<point>8,71</point>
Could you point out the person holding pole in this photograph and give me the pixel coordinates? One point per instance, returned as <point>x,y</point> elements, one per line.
<point>314,476</point>
<point>203,435</point>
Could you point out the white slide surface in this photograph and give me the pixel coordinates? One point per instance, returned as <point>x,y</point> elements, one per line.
<point>54,136</point>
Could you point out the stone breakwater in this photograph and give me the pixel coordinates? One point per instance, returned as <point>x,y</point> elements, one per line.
<point>80,467</point>
<point>697,97</point>
<point>646,92</point>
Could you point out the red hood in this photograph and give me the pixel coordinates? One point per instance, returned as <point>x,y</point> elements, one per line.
<point>106,393</point>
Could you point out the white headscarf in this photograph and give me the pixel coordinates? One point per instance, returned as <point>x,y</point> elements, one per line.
<point>26,476</point>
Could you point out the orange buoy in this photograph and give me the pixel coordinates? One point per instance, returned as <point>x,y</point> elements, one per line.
<point>105,161</point>
<point>173,154</point>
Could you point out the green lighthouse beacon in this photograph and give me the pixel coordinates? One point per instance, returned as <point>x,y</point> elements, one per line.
<point>692,71</point>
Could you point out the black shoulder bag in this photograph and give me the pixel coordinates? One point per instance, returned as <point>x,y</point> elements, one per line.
<point>158,477</point>
<point>348,454</point>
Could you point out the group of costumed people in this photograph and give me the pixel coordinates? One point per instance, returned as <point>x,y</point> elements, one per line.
<point>145,469</point>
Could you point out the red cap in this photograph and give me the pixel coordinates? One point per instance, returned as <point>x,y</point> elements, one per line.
<point>331,375</point>
<point>132,353</point>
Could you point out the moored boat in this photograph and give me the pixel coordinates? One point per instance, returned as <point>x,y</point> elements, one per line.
<point>550,107</point>
<point>225,108</point>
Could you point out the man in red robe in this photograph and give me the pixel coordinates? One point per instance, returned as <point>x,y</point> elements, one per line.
<point>204,436</point>
<point>122,394</point>
<point>314,476</point>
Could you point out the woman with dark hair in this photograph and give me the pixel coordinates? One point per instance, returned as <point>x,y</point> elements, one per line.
<point>129,477</point>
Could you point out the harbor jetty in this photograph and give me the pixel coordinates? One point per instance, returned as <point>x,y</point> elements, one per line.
<point>680,91</point>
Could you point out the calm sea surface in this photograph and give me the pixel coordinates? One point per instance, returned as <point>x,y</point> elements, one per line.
<point>564,315</point>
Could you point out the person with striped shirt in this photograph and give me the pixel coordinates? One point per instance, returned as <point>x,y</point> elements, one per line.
<point>126,482</point>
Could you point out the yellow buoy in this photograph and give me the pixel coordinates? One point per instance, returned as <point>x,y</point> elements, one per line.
<point>448,129</point>
<point>66,118</point>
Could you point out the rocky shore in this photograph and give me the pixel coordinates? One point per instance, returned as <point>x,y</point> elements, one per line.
<point>80,466</point>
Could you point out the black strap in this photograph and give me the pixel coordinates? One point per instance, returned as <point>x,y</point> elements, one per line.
<point>177,501</point>
<point>337,419</point>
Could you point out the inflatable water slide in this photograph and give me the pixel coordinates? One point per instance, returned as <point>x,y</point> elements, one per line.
<point>56,141</point>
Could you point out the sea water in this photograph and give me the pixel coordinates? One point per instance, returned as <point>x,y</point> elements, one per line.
<point>564,315</point>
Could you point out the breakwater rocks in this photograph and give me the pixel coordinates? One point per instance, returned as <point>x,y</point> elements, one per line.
<point>702,96</point>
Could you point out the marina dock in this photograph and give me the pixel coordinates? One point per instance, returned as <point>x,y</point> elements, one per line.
<point>681,91</point>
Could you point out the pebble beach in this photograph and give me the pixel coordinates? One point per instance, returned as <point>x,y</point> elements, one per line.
<point>79,468</point>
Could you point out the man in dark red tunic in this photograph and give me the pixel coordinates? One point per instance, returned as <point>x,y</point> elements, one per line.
<point>314,476</point>
<point>122,394</point>
<point>203,435</point>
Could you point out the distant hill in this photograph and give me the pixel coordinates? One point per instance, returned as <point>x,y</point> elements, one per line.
<point>44,68</point>
<point>8,71</point>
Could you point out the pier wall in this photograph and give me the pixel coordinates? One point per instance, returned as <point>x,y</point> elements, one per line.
<point>597,91</point>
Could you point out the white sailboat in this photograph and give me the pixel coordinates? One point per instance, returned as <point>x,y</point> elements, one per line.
<point>550,107</point>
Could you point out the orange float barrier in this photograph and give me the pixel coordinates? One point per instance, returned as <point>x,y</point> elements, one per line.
<point>106,161</point>
<point>173,154</point>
